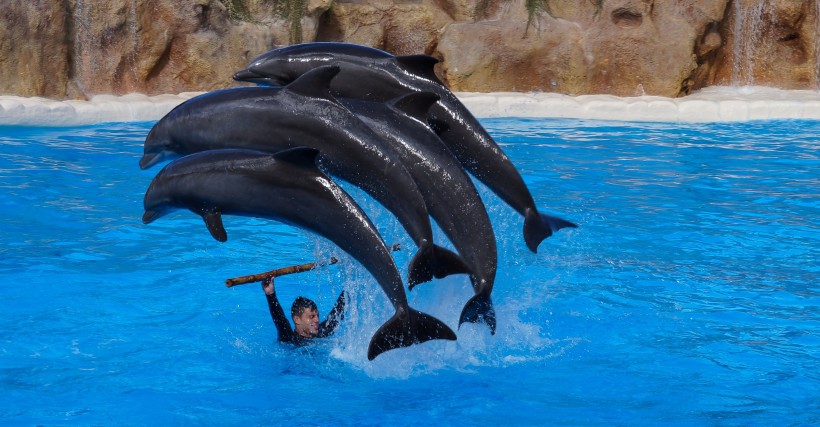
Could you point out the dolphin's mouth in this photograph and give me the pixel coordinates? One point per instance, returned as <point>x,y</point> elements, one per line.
<point>245,75</point>
<point>151,215</point>
<point>150,159</point>
<point>249,76</point>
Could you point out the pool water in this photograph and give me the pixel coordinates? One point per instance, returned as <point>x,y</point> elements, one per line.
<point>688,295</point>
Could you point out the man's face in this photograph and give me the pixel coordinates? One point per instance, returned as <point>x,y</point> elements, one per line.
<point>307,323</point>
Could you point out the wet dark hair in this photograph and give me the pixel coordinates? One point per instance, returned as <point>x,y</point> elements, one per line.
<point>300,305</point>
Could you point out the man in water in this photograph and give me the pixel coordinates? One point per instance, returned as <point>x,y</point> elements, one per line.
<point>305,317</point>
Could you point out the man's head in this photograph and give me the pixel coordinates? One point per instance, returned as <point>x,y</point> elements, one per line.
<point>305,316</point>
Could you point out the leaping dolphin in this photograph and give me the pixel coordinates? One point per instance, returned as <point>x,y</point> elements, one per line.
<point>450,194</point>
<point>289,187</point>
<point>375,75</point>
<point>305,113</point>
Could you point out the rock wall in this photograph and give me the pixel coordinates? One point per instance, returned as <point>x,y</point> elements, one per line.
<point>34,56</point>
<point>80,48</point>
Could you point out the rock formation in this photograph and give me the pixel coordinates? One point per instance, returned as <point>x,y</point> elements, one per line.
<point>779,46</point>
<point>79,48</point>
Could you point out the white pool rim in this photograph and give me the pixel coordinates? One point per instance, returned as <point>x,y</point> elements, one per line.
<point>714,104</point>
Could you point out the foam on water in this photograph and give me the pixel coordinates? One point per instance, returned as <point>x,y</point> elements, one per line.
<point>714,104</point>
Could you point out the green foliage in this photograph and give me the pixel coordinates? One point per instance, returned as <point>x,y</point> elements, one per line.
<point>292,12</point>
<point>535,8</point>
<point>236,10</point>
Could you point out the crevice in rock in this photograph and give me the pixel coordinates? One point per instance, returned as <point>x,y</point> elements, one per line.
<point>787,32</point>
<point>161,62</point>
<point>328,27</point>
<point>203,14</point>
<point>707,50</point>
<point>627,17</point>
<point>792,36</point>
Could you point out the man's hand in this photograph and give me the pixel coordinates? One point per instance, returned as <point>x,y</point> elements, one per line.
<point>267,286</point>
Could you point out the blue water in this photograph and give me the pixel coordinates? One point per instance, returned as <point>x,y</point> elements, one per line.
<point>688,296</point>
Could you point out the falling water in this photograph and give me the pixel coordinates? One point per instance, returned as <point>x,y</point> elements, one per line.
<point>133,29</point>
<point>82,26</point>
<point>747,31</point>
<point>817,45</point>
<point>133,25</point>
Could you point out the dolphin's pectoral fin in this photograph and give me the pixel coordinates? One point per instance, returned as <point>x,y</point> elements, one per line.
<point>538,226</point>
<point>415,328</point>
<point>213,221</point>
<point>420,268</point>
<point>447,262</point>
<point>434,261</point>
<point>479,309</point>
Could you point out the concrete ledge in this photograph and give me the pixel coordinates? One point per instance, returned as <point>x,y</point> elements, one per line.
<point>100,109</point>
<point>716,104</point>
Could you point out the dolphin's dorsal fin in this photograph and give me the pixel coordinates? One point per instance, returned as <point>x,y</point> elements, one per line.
<point>416,104</point>
<point>420,65</point>
<point>316,82</point>
<point>213,221</point>
<point>301,156</point>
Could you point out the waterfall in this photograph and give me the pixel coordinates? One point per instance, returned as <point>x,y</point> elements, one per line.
<point>133,28</point>
<point>81,29</point>
<point>817,44</point>
<point>133,25</point>
<point>747,30</point>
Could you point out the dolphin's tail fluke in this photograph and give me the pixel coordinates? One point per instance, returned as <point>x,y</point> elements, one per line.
<point>434,261</point>
<point>447,262</point>
<point>406,329</point>
<point>479,309</point>
<point>538,226</point>
<point>420,269</point>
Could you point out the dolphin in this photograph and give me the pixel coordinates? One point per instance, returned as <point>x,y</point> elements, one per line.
<point>451,196</point>
<point>375,75</point>
<point>305,113</point>
<point>289,187</point>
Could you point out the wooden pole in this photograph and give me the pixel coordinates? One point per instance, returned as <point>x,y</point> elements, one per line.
<point>284,271</point>
<point>276,273</point>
